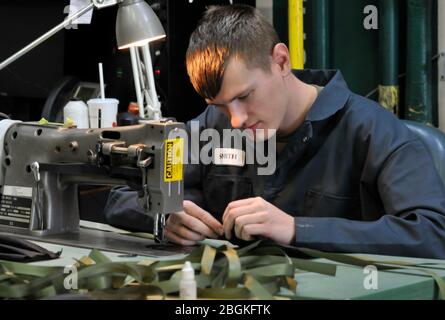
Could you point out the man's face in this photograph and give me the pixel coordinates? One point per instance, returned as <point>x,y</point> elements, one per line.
<point>253,99</point>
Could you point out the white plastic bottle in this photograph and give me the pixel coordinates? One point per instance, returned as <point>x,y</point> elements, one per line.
<point>187,284</point>
<point>77,111</point>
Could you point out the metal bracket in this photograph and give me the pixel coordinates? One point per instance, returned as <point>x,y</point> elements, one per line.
<point>36,171</point>
<point>159,227</point>
<point>37,199</point>
<point>104,3</point>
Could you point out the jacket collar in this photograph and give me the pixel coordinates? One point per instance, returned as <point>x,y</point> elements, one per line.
<point>332,98</point>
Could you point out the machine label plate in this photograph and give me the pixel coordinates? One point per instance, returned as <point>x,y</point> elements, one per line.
<point>173,159</point>
<point>15,206</point>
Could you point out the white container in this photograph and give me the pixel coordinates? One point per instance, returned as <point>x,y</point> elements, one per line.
<point>187,284</point>
<point>102,112</point>
<point>77,111</point>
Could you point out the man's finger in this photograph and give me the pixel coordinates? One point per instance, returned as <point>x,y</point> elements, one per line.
<point>197,225</point>
<point>172,237</point>
<point>203,216</point>
<point>240,210</point>
<point>188,234</point>
<point>242,221</point>
<point>191,224</point>
<point>251,230</point>
<point>233,214</point>
<point>237,204</point>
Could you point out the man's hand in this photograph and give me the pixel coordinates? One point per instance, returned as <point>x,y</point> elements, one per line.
<point>257,217</point>
<point>192,225</point>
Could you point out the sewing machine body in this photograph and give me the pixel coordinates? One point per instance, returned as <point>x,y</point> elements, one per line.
<point>42,165</point>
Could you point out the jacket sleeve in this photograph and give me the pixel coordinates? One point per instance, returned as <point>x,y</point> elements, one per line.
<point>123,211</point>
<point>413,197</point>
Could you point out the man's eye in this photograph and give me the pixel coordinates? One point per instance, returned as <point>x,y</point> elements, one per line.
<point>244,97</point>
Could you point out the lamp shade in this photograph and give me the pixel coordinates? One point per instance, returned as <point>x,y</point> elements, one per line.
<point>137,24</point>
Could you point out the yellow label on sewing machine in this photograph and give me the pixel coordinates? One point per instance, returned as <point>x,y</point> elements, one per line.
<point>174,153</point>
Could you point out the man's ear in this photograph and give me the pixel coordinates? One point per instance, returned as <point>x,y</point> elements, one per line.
<point>280,56</point>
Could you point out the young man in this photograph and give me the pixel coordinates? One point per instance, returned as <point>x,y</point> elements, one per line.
<point>349,176</point>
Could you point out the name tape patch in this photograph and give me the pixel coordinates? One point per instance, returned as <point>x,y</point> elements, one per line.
<point>229,157</point>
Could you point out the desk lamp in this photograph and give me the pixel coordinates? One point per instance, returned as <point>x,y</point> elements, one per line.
<point>136,26</point>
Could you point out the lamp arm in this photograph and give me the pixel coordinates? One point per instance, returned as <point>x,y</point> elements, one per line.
<point>147,98</point>
<point>137,81</point>
<point>155,104</point>
<point>45,36</point>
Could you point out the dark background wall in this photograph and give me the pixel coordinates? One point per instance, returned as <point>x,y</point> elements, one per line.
<point>26,83</point>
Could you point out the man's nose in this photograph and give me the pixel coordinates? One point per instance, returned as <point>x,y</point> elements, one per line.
<point>238,115</point>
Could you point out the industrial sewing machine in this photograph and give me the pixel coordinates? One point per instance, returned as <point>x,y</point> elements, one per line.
<point>42,165</point>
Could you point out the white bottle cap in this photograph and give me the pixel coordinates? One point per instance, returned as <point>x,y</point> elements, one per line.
<point>188,273</point>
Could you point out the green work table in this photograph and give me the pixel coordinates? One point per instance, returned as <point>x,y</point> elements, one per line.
<point>392,284</point>
<point>347,284</point>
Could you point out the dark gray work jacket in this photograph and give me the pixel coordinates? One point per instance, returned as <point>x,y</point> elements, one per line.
<point>354,177</point>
